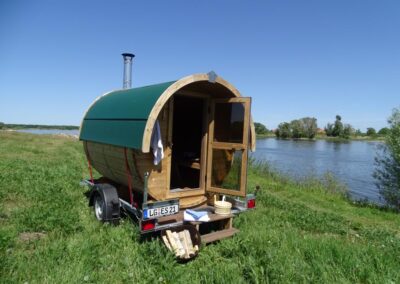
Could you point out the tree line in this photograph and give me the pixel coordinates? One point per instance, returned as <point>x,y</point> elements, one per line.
<point>307,127</point>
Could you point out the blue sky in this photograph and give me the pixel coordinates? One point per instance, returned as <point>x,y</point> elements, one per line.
<point>294,58</point>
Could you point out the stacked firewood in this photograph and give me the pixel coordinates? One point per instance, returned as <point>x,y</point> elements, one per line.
<point>180,243</point>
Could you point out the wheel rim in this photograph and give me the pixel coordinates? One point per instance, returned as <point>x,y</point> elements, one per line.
<point>99,207</point>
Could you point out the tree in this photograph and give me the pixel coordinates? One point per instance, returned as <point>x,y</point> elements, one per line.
<point>260,128</point>
<point>383,131</point>
<point>283,130</point>
<point>329,129</point>
<point>358,132</point>
<point>296,128</point>
<point>347,131</point>
<point>387,170</point>
<point>1,125</point>
<point>310,127</point>
<point>337,127</point>
<point>371,131</point>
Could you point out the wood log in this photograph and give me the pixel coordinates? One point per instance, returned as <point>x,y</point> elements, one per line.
<point>173,243</point>
<point>189,242</point>
<point>182,237</point>
<point>181,249</point>
<point>167,243</point>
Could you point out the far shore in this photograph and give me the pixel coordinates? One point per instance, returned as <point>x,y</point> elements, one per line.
<point>12,126</point>
<point>328,138</point>
<point>258,136</point>
<point>51,134</point>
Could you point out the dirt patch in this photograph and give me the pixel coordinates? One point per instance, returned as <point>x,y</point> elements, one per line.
<point>10,203</point>
<point>31,236</point>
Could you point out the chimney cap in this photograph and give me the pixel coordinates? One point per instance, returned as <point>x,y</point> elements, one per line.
<point>128,55</point>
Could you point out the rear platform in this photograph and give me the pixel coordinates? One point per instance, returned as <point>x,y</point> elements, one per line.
<point>217,228</point>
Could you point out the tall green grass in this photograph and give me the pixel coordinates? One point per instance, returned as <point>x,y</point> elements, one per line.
<point>301,231</point>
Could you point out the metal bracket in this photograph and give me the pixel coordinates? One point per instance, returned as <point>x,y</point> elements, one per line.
<point>86,182</point>
<point>212,76</point>
<point>145,189</point>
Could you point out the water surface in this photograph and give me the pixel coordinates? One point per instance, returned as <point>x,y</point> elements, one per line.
<point>351,162</point>
<point>73,132</point>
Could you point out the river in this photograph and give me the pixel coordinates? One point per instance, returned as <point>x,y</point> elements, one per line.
<point>352,162</point>
<point>72,132</point>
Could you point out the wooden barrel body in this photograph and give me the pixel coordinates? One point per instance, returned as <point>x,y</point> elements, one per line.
<point>109,161</point>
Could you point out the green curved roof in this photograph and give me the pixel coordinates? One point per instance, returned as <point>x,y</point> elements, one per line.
<point>119,118</point>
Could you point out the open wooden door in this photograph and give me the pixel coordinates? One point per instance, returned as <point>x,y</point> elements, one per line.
<point>228,146</point>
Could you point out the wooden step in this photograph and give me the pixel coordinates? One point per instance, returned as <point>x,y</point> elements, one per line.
<point>219,235</point>
<point>179,217</point>
<point>214,217</point>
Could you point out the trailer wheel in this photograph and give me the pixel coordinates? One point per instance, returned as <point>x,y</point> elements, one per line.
<point>99,207</point>
<point>105,202</point>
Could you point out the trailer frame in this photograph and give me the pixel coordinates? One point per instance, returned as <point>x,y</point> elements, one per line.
<point>152,225</point>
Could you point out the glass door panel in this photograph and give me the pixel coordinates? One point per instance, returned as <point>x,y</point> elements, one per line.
<point>226,169</point>
<point>229,122</point>
<point>228,143</point>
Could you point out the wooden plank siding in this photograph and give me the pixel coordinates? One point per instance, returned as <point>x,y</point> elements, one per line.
<point>109,160</point>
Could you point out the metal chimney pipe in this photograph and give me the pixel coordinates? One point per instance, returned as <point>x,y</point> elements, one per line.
<point>127,83</point>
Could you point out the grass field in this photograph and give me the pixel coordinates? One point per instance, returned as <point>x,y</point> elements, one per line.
<point>300,232</point>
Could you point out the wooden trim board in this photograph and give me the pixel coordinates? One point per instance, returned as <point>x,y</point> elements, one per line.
<point>170,91</point>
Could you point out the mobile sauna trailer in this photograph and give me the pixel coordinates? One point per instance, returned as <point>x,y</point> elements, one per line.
<point>166,147</point>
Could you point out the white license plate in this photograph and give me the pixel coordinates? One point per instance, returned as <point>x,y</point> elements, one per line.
<point>151,213</point>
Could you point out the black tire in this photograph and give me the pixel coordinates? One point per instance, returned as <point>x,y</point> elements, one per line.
<point>105,202</point>
<point>99,207</point>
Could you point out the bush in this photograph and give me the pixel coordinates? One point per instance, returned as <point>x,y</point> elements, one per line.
<point>358,132</point>
<point>260,128</point>
<point>387,171</point>
<point>371,131</point>
<point>347,131</point>
<point>383,131</point>
<point>284,130</point>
